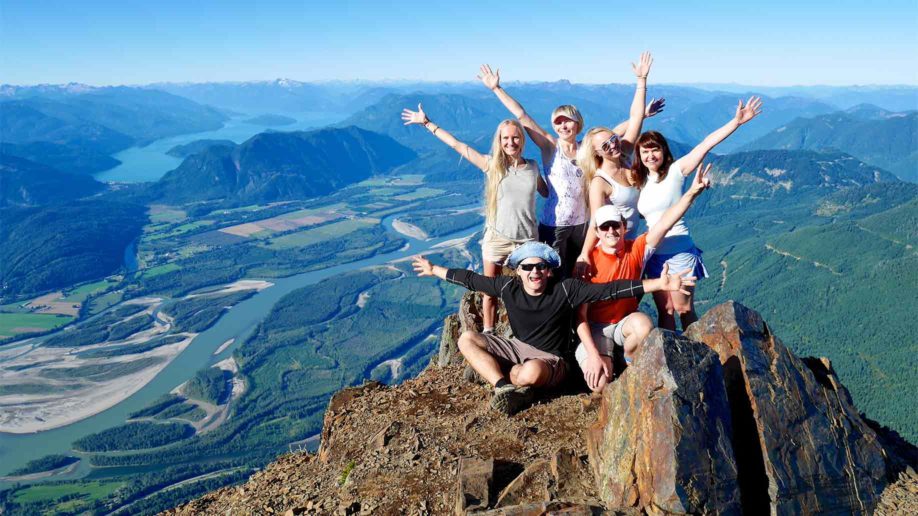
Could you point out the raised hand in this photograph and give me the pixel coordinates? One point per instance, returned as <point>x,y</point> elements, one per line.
<point>655,106</point>
<point>414,117</point>
<point>422,266</point>
<point>677,282</point>
<point>643,67</point>
<point>490,79</point>
<point>746,113</point>
<point>702,179</point>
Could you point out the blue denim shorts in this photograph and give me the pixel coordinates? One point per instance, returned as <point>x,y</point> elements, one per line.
<point>689,260</point>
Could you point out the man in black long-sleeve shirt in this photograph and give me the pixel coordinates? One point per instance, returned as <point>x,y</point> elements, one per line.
<point>541,310</point>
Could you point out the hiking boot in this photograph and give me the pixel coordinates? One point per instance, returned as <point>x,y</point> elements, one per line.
<point>470,375</point>
<point>510,399</point>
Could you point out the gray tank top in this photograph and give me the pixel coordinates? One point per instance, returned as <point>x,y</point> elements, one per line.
<point>516,206</point>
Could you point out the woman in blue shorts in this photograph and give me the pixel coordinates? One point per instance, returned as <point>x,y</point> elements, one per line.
<point>661,179</point>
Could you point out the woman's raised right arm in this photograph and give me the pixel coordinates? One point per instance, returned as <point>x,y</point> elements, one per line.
<point>540,136</point>
<point>420,118</point>
<point>597,198</point>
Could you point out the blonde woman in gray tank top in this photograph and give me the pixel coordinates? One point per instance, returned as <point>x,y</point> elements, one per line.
<point>511,182</point>
<point>565,215</point>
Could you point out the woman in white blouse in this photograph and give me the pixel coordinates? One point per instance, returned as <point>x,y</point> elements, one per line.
<point>661,179</point>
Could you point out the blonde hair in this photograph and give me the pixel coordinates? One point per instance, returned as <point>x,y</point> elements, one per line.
<point>587,158</point>
<point>571,112</point>
<point>498,165</point>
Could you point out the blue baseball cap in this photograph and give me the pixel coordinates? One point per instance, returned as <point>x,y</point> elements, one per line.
<point>534,249</point>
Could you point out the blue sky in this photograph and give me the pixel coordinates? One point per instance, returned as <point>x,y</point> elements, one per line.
<point>773,43</point>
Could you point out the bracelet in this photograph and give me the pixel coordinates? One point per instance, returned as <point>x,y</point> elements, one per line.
<point>641,76</point>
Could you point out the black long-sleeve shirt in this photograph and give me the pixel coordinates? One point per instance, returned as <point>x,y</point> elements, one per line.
<point>544,321</point>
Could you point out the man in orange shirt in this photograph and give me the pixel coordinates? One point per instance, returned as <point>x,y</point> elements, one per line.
<point>605,324</point>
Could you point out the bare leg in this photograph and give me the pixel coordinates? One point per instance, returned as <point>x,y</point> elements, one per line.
<point>664,311</point>
<point>635,329</point>
<point>531,373</point>
<point>685,307</point>
<point>474,348</point>
<point>488,303</point>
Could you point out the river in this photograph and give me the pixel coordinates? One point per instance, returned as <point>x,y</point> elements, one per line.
<point>237,323</point>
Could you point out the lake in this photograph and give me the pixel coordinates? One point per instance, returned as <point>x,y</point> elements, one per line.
<point>149,163</point>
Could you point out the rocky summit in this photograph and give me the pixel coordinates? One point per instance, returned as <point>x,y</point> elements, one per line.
<point>723,420</point>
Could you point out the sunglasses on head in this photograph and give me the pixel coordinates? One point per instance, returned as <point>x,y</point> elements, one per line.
<point>612,142</point>
<point>541,266</point>
<point>606,226</point>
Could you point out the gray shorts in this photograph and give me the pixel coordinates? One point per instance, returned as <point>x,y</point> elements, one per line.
<point>605,336</point>
<point>510,352</point>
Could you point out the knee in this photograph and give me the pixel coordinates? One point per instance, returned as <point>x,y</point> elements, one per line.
<point>641,325</point>
<point>683,307</point>
<point>601,385</point>
<point>467,341</point>
<point>532,372</point>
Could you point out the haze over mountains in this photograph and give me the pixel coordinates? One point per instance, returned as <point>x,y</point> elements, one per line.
<point>808,223</point>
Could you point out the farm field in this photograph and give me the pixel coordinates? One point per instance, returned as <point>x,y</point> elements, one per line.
<point>313,236</point>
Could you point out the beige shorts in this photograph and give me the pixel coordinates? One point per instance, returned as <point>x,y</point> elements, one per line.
<point>495,248</point>
<point>510,352</point>
<point>606,337</point>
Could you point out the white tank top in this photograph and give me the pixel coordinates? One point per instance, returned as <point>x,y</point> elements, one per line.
<point>656,197</point>
<point>625,198</point>
<point>566,204</point>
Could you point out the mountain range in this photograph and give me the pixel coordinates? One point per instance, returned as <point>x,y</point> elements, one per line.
<point>282,166</point>
<point>876,136</point>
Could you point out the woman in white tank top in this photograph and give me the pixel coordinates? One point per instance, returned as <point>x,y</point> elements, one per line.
<point>661,179</point>
<point>603,157</point>
<point>564,217</point>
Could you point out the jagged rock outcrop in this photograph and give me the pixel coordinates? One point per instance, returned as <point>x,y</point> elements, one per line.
<point>467,319</point>
<point>662,442</point>
<point>801,445</point>
<point>671,435</point>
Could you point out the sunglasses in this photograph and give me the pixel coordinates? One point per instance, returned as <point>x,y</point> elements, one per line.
<point>541,266</point>
<point>611,143</point>
<point>606,226</point>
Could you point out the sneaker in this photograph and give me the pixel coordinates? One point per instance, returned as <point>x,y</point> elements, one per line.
<point>470,375</point>
<point>510,399</point>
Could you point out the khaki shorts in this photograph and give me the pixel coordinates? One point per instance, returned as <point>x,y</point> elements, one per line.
<point>495,248</point>
<point>606,337</point>
<point>510,352</point>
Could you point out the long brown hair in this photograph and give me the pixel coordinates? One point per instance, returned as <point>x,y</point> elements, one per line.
<point>650,140</point>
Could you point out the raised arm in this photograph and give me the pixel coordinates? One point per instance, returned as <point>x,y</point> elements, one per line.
<point>420,118</point>
<point>636,118</point>
<point>540,136</point>
<point>743,114</point>
<point>583,292</point>
<point>676,211</point>
<point>654,107</point>
<point>597,199</point>
<point>466,278</point>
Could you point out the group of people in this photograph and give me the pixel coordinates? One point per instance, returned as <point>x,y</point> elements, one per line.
<point>582,269</point>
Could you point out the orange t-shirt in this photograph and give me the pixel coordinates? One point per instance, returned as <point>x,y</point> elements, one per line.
<point>609,267</point>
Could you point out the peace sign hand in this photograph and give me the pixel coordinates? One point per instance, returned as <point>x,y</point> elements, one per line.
<point>702,179</point>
